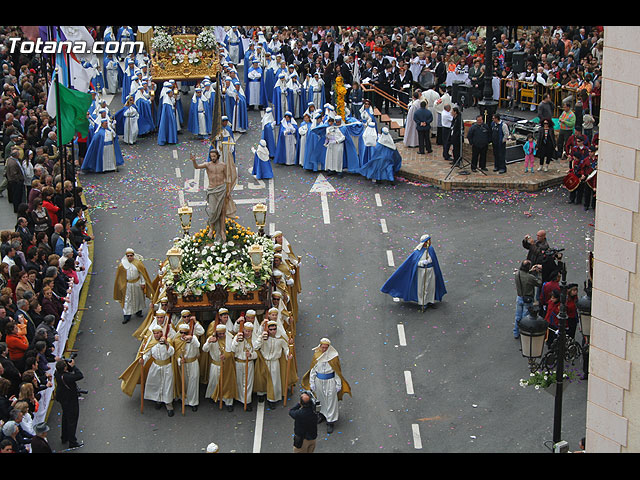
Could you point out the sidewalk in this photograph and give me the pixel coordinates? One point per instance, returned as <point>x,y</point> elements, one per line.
<point>433,169</point>
<point>8,219</point>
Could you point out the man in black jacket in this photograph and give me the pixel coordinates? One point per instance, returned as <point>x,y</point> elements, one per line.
<point>22,227</point>
<point>387,78</point>
<point>440,71</point>
<point>15,179</point>
<point>423,118</point>
<point>47,327</point>
<point>67,374</point>
<point>329,46</point>
<point>39,443</point>
<point>479,137</point>
<point>456,133</point>
<point>10,371</point>
<point>305,427</point>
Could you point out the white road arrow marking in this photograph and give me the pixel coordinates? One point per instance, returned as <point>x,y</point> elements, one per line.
<point>323,187</point>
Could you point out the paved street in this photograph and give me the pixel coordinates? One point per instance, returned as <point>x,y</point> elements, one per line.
<point>443,380</point>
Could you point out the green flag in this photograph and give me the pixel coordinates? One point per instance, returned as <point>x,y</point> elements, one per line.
<point>73,108</point>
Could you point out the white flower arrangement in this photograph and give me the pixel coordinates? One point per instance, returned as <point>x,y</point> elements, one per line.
<point>162,41</point>
<point>206,39</point>
<point>184,49</point>
<point>227,264</point>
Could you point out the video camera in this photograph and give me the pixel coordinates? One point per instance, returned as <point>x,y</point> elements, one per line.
<point>554,252</point>
<point>315,404</point>
<point>68,361</point>
<point>71,357</point>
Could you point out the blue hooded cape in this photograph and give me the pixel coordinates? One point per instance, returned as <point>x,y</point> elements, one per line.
<point>119,118</point>
<point>248,55</point>
<point>302,139</point>
<point>280,155</point>
<point>351,158</point>
<point>230,107</point>
<point>145,122</point>
<point>126,83</point>
<point>269,136</point>
<point>193,125</point>
<point>95,152</point>
<point>403,283</point>
<point>167,128</point>
<point>383,164</point>
<point>179,109</point>
<point>322,96</point>
<point>315,152</point>
<point>291,100</point>
<point>350,155</point>
<point>227,43</point>
<point>261,81</point>
<point>278,113</point>
<point>269,83</point>
<point>261,169</point>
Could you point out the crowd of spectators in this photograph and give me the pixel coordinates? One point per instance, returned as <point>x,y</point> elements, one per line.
<point>39,253</point>
<point>393,57</point>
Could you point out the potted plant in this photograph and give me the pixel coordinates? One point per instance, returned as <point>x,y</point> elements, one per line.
<point>542,380</point>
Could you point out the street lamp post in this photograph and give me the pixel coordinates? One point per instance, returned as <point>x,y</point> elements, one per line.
<point>562,334</point>
<point>488,106</point>
<point>532,330</point>
<point>584,308</point>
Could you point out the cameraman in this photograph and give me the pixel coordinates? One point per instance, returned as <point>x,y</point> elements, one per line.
<point>536,246</point>
<point>551,264</point>
<point>67,374</point>
<point>527,278</point>
<point>305,427</point>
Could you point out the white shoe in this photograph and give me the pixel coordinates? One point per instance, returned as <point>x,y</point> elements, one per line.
<point>546,169</point>
<point>540,168</point>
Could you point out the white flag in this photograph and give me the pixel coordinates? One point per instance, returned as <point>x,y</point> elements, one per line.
<point>51,97</point>
<point>80,76</point>
<point>78,35</point>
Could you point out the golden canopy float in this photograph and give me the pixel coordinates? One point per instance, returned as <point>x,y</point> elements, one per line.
<point>184,56</point>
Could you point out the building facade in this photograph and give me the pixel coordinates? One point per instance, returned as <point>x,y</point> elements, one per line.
<point>613,402</point>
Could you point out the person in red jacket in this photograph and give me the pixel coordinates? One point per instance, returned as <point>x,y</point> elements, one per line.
<point>47,203</point>
<point>553,308</point>
<point>577,165</point>
<point>17,343</point>
<point>547,288</point>
<point>69,269</point>
<point>572,309</point>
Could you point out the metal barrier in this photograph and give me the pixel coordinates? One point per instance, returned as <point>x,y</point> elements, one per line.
<point>522,92</point>
<point>372,91</point>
